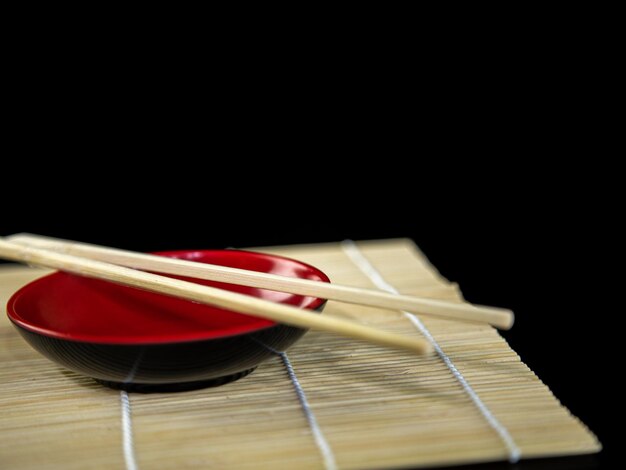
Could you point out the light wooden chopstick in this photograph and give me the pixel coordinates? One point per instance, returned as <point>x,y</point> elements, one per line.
<point>209,295</point>
<point>499,317</point>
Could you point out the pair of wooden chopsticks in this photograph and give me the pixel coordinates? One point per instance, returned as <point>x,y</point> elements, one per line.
<point>124,267</point>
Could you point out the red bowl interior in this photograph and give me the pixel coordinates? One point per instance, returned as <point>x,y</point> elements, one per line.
<point>76,308</point>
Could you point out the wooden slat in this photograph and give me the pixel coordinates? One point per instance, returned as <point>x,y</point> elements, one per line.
<point>377,408</point>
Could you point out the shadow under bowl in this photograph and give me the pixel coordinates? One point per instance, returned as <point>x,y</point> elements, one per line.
<point>137,340</point>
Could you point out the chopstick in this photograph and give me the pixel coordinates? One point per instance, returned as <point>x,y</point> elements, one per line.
<point>209,295</point>
<point>498,317</point>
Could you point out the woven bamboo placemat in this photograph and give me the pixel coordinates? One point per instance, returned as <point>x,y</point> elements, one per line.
<point>327,403</point>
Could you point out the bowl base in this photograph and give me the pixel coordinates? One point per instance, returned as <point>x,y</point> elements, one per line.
<point>175,387</point>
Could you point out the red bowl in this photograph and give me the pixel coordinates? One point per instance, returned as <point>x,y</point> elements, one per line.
<point>142,341</point>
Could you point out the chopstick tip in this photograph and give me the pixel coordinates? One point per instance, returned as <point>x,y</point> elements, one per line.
<point>423,348</point>
<point>508,320</point>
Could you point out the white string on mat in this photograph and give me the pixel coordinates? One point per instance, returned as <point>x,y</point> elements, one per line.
<point>354,253</point>
<point>320,440</point>
<point>322,444</point>
<point>127,432</point>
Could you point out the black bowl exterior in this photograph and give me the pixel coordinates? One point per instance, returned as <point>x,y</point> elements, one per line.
<point>168,363</point>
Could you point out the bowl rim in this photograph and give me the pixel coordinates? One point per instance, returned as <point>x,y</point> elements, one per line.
<point>255,325</point>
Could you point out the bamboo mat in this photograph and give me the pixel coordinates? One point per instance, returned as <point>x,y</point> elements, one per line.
<point>327,403</point>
